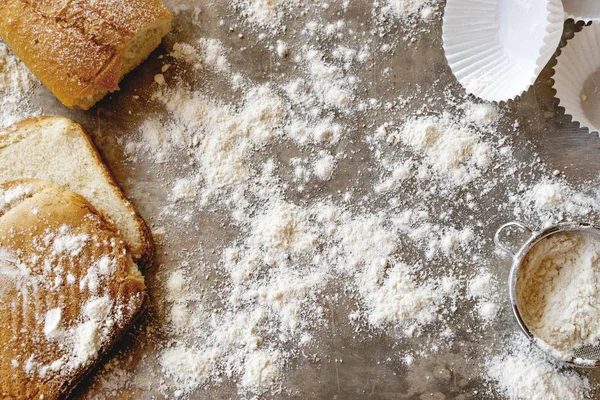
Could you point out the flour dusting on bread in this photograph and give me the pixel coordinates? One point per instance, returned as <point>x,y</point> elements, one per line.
<point>68,243</point>
<point>13,194</point>
<point>81,49</point>
<point>69,289</point>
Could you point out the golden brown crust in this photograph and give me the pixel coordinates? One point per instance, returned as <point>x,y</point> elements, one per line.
<point>68,391</point>
<point>31,225</point>
<point>143,252</point>
<point>75,47</point>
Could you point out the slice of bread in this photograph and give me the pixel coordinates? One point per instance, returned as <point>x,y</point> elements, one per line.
<point>58,150</point>
<point>69,289</point>
<point>81,49</point>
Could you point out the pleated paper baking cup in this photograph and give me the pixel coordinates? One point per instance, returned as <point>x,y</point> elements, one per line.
<point>577,77</point>
<point>497,48</point>
<point>582,10</point>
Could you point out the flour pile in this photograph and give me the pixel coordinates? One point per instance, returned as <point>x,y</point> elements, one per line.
<point>524,374</point>
<point>273,307</point>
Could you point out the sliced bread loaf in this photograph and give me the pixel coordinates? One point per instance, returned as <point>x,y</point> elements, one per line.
<point>58,150</point>
<point>69,289</point>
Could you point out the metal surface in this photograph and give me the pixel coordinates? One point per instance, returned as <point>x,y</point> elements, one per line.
<point>584,356</point>
<point>498,235</point>
<point>352,365</point>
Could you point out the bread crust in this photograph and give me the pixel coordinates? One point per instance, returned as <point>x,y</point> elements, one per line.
<point>143,253</point>
<point>43,209</point>
<point>77,47</point>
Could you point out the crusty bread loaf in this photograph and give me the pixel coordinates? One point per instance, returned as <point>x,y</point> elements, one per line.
<point>81,49</point>
<point>68,289</point>
<point>58,150</point>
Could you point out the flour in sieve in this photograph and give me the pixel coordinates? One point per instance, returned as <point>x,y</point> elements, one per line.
<point>558,290</point>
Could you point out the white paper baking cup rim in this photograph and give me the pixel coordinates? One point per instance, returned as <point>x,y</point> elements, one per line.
<point>578,61</point>
<point>582,10</point>
<point>497,48</point>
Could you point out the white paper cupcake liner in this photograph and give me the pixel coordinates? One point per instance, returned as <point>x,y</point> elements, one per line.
<point>582,10</point>
<point>577,77</point>
<point>497,48</point>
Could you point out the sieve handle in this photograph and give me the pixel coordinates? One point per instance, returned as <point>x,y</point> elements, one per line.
<point>512,224</point>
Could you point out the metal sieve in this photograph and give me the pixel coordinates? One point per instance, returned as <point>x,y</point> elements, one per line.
<point>587,356</point>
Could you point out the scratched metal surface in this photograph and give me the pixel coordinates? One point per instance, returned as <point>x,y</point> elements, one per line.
<point>365,371</point>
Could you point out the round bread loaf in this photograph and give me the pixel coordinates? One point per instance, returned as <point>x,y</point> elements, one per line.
<point>68,289</point>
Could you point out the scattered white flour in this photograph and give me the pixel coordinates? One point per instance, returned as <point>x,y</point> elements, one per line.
<point>98,309</point>
<point>555,200</point>
<point>52,321</point>
<point>222,135</point>
<point>17,193</point>
<point>90,335</point>
<point>524,374</point>
<point>83,340</point>
<point>283,50</point>
<point>96,273</point>
<point>449,147</point>
<point>209,53</point>
<point>214,55</point>
<point>558,290</point>
<point>396,173</point>
<point>190,368</point>
<point>414,18</point>
<point>546,195</point>
<point>454,150</point>
<point>184,189</point>
<point>185,52</point>
<point>261,369</point>
<point>263,13</point>
<point>282,220</point>
<point>389,287</point>
<point>400,254</point>
<point>87,342</point>
<point>483,289</point>
<point>65,242</point>
<point>277,273</point>
<point>15,84</point>
<point>406,8</point>
<point>482,114</point>
<point>286,255</point>
<point>327,85</point>
<point>324,166</point>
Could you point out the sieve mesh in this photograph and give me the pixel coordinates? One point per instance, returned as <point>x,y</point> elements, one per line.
<point>588,352</point>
